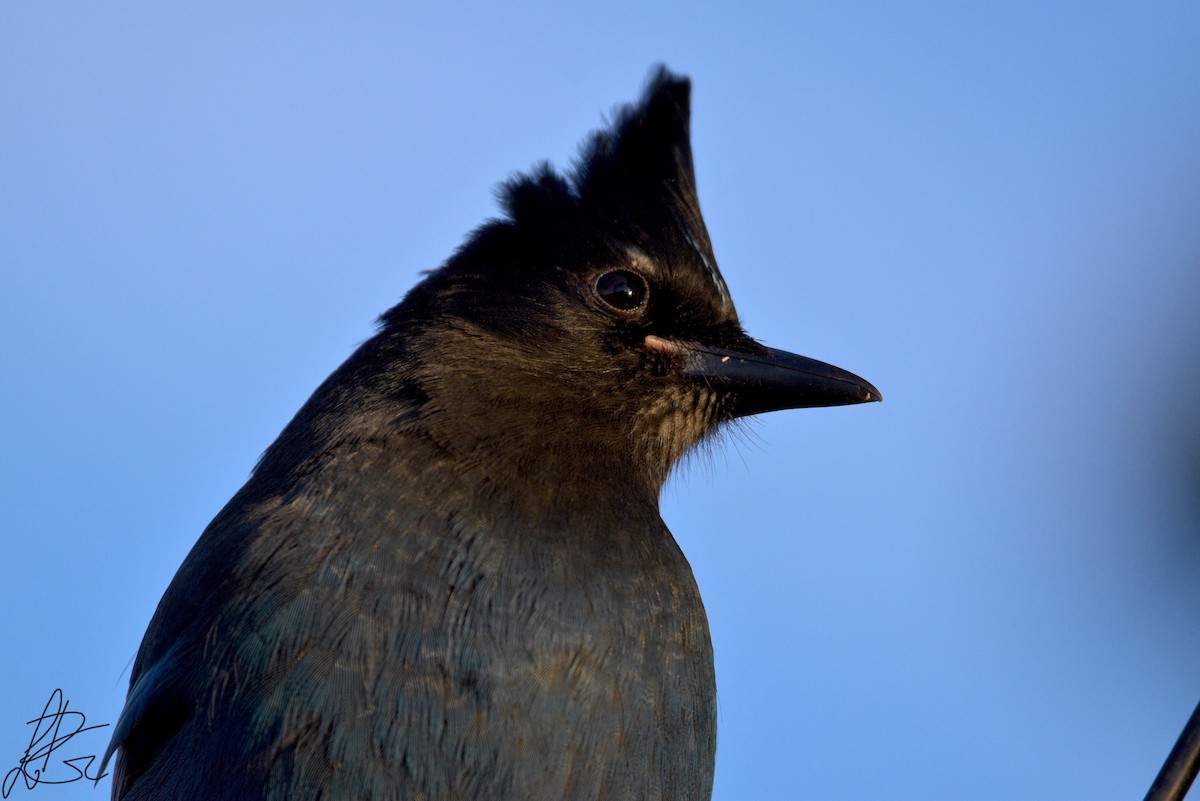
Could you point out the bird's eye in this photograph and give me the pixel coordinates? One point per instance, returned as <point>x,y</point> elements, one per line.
<point>623,290</point>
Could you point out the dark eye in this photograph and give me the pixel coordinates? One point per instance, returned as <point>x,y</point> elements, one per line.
<point>623,290</point>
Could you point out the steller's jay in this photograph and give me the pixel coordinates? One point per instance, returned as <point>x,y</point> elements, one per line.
<point>448,577</point>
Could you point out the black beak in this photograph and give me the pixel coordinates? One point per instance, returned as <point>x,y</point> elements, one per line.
<point>769,380</point>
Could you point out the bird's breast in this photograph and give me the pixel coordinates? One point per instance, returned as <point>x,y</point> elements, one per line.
<point>484,662</point>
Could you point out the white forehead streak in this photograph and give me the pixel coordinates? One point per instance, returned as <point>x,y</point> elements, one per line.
<point>717,280</point>
<point>637,258</point>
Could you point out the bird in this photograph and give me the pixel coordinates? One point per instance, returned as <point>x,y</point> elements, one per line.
<point>448,577</point>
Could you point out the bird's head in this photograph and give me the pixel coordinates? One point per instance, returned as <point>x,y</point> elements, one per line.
<point>590,325</point>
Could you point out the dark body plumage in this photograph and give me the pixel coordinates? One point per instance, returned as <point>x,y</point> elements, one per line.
<point>448,578</point>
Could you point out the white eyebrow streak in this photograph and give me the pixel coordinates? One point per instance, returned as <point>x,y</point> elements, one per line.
<point>718,281</point>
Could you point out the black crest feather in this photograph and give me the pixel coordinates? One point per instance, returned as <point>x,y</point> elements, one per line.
<point>641,166</point>
<point>633,179</point>
<point>632,186</point>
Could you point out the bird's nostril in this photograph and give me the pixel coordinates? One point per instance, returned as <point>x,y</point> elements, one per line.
<point>652,342</point>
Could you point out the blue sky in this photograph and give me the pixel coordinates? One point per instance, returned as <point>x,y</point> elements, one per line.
<point>985,587</point>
